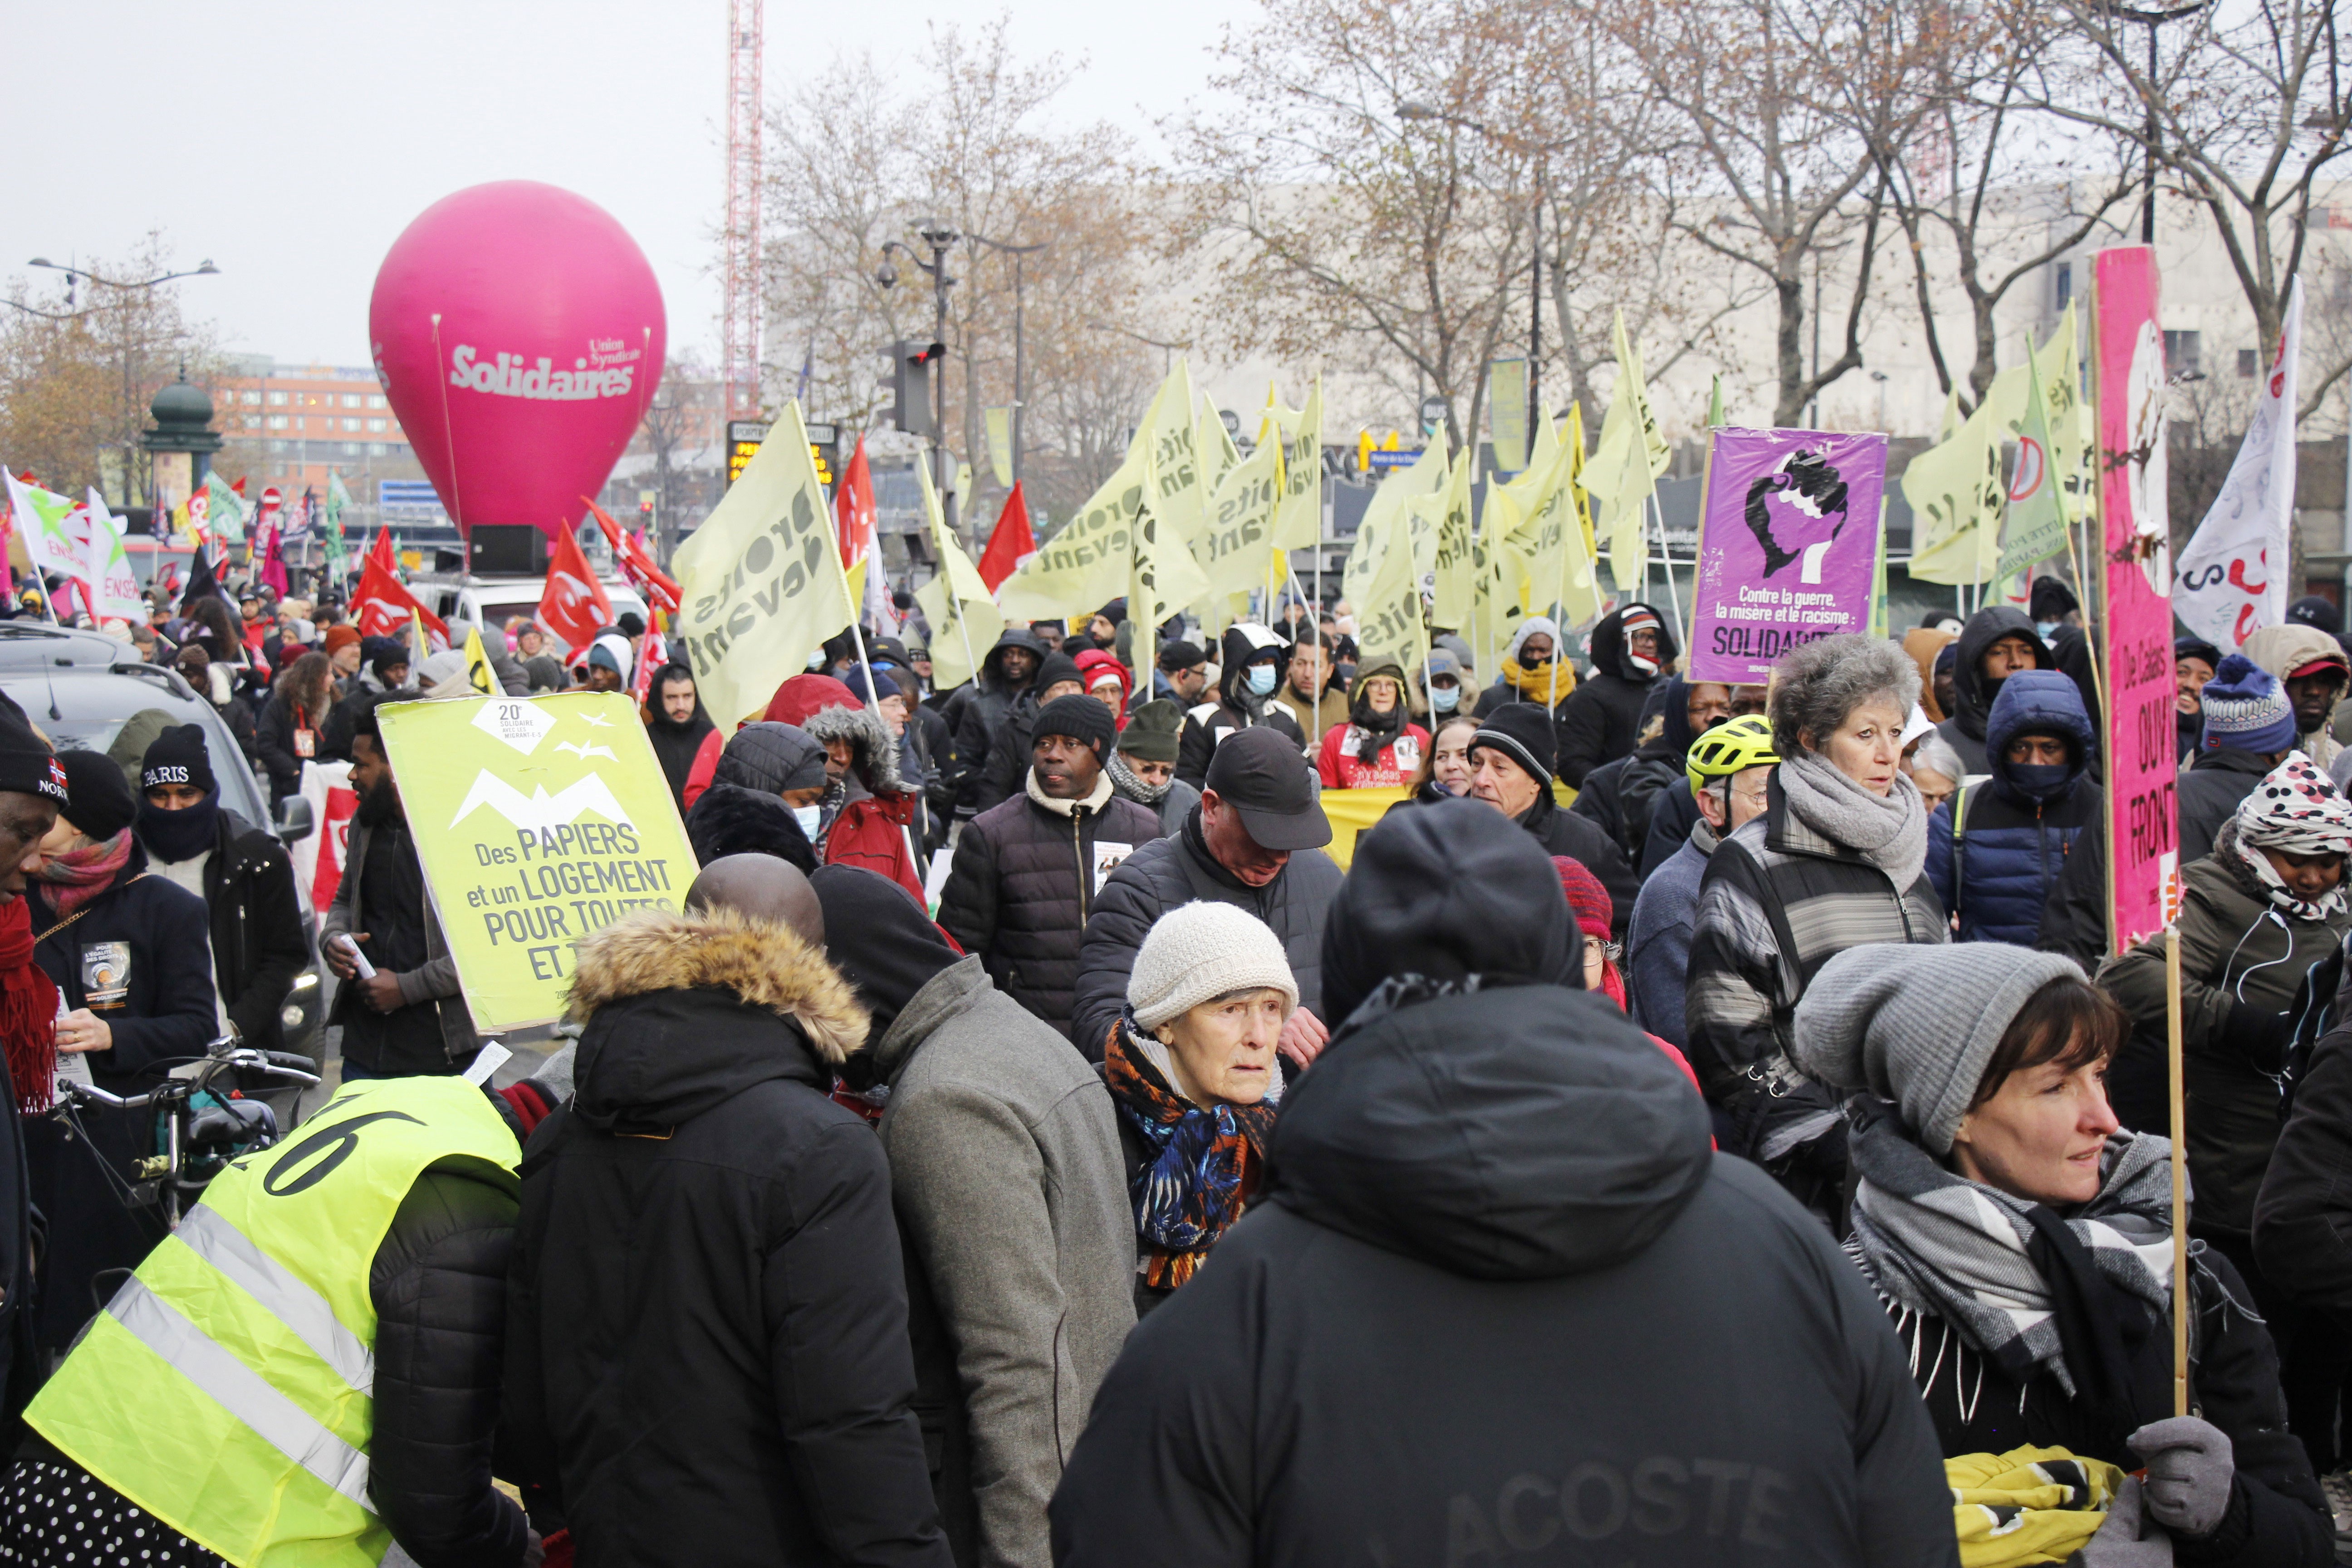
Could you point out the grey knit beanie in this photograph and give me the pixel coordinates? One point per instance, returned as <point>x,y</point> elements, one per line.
<point>1918,1025</point>
<point>1196,952</point>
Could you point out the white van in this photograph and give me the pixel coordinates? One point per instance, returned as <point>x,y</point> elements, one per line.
<point>490,601</point>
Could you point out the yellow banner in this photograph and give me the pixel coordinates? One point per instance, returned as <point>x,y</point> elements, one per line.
<point>1299,521</point>
<point>764,586</point>
<point>1086,565</point>
<point>1000,446</point>
<point>1450,570</point>
<point>1624,469</point>
<point>964,620</point>
<point>1234,550</point>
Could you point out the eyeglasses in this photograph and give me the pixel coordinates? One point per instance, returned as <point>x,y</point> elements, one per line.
<point>1611,951</point>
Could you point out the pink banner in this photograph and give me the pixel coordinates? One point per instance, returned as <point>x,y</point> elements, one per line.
<point>2135,627</point>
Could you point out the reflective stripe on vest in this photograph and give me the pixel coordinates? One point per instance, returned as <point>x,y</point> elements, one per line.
<point>239,1390</point>
<point>228,1389</point>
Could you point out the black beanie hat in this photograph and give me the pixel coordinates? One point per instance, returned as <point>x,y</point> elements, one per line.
<point>177,756</point>
<point>1153,732</point>
<point>28,766</point>
<point>1083,718</point>
<point>1522,732</point>
<point>1055,667</point>
<point>98,798</point>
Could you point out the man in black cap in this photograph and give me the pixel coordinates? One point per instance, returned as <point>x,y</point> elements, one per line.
<point>1512,759</point>
<point>1255,841</point>
<point>1027,870</point>
<point>1183,674</point>
<point>240,870</point>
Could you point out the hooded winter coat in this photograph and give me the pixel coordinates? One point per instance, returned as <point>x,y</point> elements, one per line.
<point>707,1355</point>
<point>2283,650</point>
<point>732,820</point>
<point>2243,961</point>
<point>1504,1180</point>
<point>1024,879</point>
<point>1178,869</point>
<point>1005,1174</point>
<point>980,714</point>
<point>1207,723</point>
<point>1998,872</point>
<point>1972,696</point>
<point>1621,795</point>
<point>1602,718</point>
<point>874,809</point>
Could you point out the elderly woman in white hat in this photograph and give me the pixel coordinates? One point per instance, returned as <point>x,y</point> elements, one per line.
<point>1193,1070</point>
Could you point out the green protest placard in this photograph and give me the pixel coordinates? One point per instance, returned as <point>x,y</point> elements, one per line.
<point>538,820</point>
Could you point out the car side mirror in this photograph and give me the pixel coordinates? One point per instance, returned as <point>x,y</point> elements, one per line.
<point>295,820</point>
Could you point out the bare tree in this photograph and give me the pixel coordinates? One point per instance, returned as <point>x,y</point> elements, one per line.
<point>682,417</point>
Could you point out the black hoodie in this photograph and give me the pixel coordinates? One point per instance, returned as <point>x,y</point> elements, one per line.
<point>1621,795</point>
<point>1972,695</point>
<point>1600,717</point>
<point>676,744</point>
<point>1503,1298</point>
<point>976,710</point>
<point>707,1355</point>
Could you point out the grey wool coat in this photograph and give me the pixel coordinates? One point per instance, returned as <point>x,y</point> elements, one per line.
<point>1011,1193</point>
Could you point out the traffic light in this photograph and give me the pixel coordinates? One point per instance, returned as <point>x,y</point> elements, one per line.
<point>910,385</point>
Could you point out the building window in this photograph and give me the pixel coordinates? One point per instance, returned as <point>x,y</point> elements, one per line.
<point>350,400</point>
<point>375,425</point>
<point>2065,284</point>
<point>376,400</point>
<point>2249,365</point>
<point>277,422</point>
<point>352,449</point>
<point>351,426</point>
<point>276,400</point>
<point>276,447</point>
<point>2182,352</point>
<point>375,448</point>
<point>249,397</point>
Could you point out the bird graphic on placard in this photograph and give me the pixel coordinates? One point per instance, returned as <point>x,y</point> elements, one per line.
<point>539,809</point>
<point>584,753</point>
<point>591,720</point>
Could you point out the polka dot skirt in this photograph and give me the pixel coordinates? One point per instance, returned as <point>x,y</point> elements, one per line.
<point>54,1515</point>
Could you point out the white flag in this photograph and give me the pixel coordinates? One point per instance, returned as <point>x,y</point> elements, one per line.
<point>114,586</point>
<point>2231,579</point>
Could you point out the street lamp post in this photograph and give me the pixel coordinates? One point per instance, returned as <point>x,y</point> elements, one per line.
<point>1020,364</point>
<point>2151,20</point>
<point>940,238</point>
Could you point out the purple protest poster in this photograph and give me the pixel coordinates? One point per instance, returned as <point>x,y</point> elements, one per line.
<point>1787,545</point>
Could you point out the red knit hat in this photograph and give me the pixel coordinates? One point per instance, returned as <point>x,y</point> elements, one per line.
<point>1587,898</point>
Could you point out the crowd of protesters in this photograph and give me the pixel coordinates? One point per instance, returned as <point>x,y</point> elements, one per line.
<point>1702,1122</point>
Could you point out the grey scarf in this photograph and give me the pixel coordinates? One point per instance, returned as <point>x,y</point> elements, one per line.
<point>1134,788</point>
<point>1952,1248</point>
<point>1888,831</point>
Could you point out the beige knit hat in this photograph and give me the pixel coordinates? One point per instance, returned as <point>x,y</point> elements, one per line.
<point>1198,951</point>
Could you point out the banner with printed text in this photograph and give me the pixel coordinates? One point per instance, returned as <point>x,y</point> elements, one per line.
<point>1787,545</point>
<point>538,820</point>
<point>2135,625</point>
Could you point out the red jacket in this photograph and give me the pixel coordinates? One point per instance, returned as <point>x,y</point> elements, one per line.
<point>1398,763</point>
<point>872,834</point>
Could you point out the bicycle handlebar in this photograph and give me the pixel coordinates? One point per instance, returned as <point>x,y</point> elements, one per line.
<point>243,1059</point>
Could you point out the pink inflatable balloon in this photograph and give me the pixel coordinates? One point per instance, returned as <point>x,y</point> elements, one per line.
<point>519,333</point>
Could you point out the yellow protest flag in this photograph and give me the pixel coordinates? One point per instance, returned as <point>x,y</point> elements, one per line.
<point>478,672</point>
<point>1234,549</point>
<point>420,648</point>
<point>1000,446</point>
<point>1298,520</point>
<point>1956,492</point>
<point>964,621</point>
<point>1450,570</point>
<point>761,578</point>
<point>1085,566</point>
<point>1176,491</point>
<point>1573,435</point>
<point>1219,454</point>
<point>1624,473</point>
<point>1498,577</point>
<point>1380,582</point>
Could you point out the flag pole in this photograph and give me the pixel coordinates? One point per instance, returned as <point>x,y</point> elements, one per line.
<point>2180,1308</point>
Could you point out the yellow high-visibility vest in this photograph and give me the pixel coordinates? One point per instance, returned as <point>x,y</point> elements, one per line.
<point>228,1388</point>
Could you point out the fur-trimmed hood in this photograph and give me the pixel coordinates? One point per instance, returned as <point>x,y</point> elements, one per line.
<point>877,748</point>
<point>758,963</point>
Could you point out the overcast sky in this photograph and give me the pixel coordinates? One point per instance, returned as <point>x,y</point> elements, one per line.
<point>292,142</point>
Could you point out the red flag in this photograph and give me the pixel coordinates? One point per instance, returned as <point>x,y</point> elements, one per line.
<point>380,553</point>
<point>273,566</point>
<point>853,507</point>
<point>383,605</point>
<point>660,589</point>
<point>1010,544</point>
<point>575,608</point>
<point>652,654</point>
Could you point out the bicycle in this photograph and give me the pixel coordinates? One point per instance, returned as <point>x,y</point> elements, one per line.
<point>199,1138</point>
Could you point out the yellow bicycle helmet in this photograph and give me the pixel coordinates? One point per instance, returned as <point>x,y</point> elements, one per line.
<point>1732,747</point>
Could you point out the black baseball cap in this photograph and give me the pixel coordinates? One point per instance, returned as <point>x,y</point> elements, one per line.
<point>1260,772</point>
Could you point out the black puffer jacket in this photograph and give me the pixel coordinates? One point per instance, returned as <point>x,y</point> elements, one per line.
<point>275,740</point>
<point>764,756</point>
<point>979,714</point>
<point>1972,696</point>
<point>1622,794</point>
<point>2303,1217</point>
<point>260,935</point>
<point>1623,1348</point>
<point>1178,869</point>
<point>708,1360</point>
<point>1602,717</point>
<point>1023,883</point>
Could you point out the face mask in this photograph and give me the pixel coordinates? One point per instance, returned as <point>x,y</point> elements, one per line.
<point>2045,628</point>
<point>808,817</point>
<point>816,660</point>
<point>1444,698</point>
<point>2038,780</point>
<point>1260,680</point>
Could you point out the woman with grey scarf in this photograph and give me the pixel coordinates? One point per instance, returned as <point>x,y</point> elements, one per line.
<point>2022,1243</point>
<point>1835,861</point>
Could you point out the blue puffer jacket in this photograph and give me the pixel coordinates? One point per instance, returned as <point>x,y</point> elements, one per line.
<point>2016,835</point>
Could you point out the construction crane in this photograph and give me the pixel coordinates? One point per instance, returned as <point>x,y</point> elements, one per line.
<point>740,262</point>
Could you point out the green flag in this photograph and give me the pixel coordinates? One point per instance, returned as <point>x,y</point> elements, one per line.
<point>1715,402</point>
<point>2035,526</point>
<point>227,513</point>
<point>330,531</point>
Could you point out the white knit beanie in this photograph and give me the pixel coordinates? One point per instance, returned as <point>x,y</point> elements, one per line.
<point>1196,952</point>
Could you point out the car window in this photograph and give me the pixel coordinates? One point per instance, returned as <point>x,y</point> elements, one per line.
<point>92,709</point>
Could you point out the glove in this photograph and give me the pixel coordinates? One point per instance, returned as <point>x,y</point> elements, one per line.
<point>2119,1543</point>
<point>2259,1035</point>
<point>2190,1470</point>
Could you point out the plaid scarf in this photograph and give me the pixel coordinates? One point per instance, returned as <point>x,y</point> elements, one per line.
<point>1949,1248</point>
<point>80,874</point>
<point>1205,1166</point>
